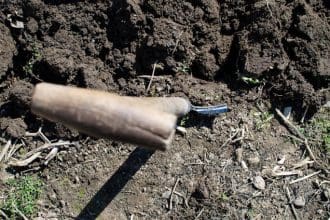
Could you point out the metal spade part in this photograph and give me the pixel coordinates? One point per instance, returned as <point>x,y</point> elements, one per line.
<point>148,121</point>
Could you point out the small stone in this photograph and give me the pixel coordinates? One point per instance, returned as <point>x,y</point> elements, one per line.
<point>259,183</point>
<point>299,202</point>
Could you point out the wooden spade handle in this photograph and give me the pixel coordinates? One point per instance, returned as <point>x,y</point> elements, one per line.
<point>147,122</point>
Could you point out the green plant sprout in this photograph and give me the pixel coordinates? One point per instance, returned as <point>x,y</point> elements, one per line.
<point>22,196</point>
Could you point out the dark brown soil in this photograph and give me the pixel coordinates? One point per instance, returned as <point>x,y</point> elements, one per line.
<point>253,55</point>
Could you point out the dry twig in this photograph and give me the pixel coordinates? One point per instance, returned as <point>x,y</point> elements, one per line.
<point>23,163</point>
<point>302,163</point>
<point>291,205</point>
<point>182,196</point>
<point>170,205</point>
<point>48,146</point>
<point>297,132</point>
<point>13,151</point>
<point>5,150</point>
<point>4,215</point>
<point>21,214</point>
<point>152,76</point>
<point>200,213</point>
<point>38,133</point>
<point>305,177</point>
<point>304,115</point>
<point>177,43</point>
<point>51,155</point>
<point>229,140</point>
<point>287,173</point>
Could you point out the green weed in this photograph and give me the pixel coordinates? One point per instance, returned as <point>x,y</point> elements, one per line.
<point>224,197</point>
<point>36,56</point>
<point>250,80</point>
<point>184,68</point>
<point>22,196</point>
<point>262,119</point>
<point>183,121</point>
<point>322,126</point>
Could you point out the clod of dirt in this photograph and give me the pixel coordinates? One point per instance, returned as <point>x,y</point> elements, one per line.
<point>259,59</point>
<point>14,127</point>
<point>205,65</point>
<point>312,50</point>
<point>169,39</point>
<point>299,202</point>
<point>59,63</point>
<point>259,183</point>
<point>7,49</point>
<point>20,93</point>
<point>32,26</point>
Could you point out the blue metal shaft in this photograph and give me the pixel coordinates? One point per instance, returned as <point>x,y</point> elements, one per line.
<point>210,110</point>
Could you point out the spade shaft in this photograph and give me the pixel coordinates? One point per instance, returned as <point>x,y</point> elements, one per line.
<point>147,122</point>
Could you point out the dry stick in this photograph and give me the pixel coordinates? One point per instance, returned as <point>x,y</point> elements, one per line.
<point>51,155</point>
<point>172,192</point>
<point>177,43</point>
<point>305,177</point>
<point>300,135</point>
<point>304,115</point>
<point>287,173</point>
<point>5,150</point>
<point>23,163</point>
<point>47,146</point>
<point>13,151</point>
<point>182,196</point>
<point>230,138</point>
<point>40,134</point>
<point>4,215</point>
<point>21,213</point>
<point>294,137</point>
<point>200,213</point>
<point>302,163</point>
<point>239,138</point>
<point>148,77</point>
<point>152,76</point>
<point>291,205</point>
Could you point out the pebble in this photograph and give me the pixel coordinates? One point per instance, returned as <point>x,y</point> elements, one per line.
<point>259,183</point>
<point>299,202</point>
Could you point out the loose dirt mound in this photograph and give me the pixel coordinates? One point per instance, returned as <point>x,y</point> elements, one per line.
<point>238,52</point>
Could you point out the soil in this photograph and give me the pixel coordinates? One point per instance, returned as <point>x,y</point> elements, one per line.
<point>253,55</point>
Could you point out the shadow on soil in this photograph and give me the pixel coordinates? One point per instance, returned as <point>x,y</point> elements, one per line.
<point>115,184</point>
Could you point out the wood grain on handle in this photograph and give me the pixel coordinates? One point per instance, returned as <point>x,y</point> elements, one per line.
<point>106,115</point>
